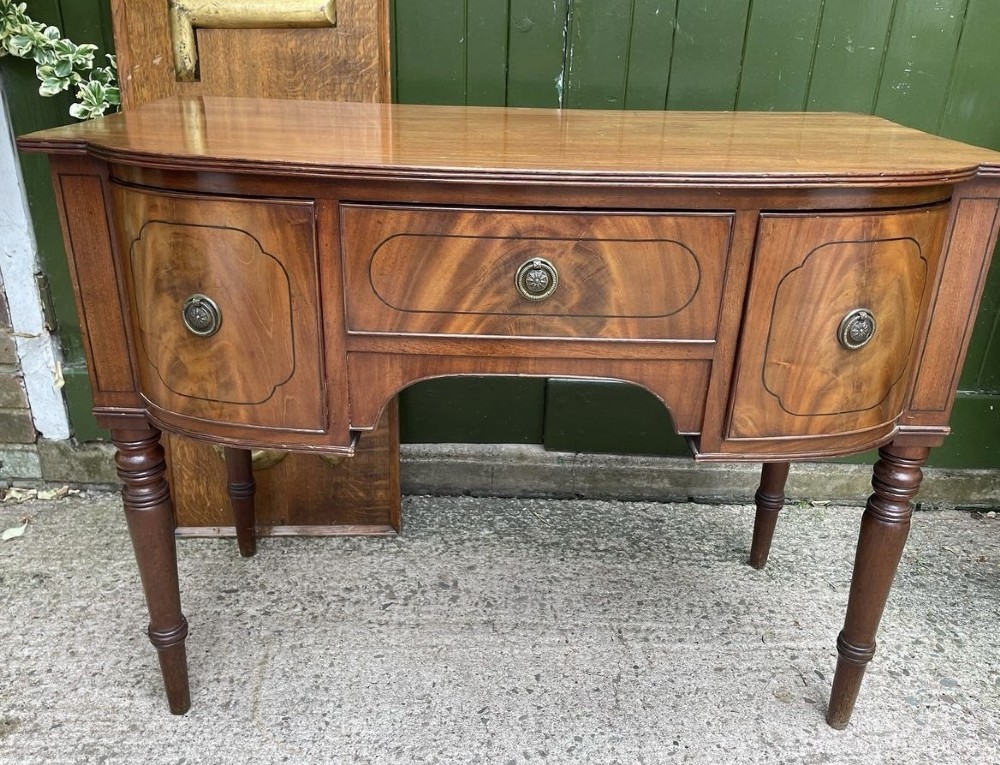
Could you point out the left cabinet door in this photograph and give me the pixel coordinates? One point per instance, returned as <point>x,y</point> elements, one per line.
<point>225,310</point>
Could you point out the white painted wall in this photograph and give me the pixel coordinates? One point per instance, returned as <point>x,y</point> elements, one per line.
<point>37,348</point>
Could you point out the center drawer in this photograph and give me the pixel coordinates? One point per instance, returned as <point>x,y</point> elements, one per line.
<point>445,271</point>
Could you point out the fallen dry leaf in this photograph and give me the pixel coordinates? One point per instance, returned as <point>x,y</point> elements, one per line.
<point>16,495</point>
<point>14,531</point>
<point>58,493</point>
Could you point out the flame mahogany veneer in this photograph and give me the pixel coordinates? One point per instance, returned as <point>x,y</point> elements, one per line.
<point>269,274</point>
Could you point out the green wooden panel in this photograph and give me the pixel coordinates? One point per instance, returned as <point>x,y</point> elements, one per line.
<point>487,23</point>
<point>650,50</point>
<point>536,52</point>
<point>80,401</point>
<point>430,49</point>
<point>849,53</point>
<point>48,12</point>
<point>919,59</point>
<point>473,410</point>
<point>610,417</point>
<point>88,21</point>
<point>778,55</point>
<point>597,60</point>
<point>708,52</point>
<point>975,434</point>
<point>988,377</point>
<point>972,111</point>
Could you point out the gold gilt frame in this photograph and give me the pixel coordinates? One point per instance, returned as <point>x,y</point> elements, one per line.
<point>186,16</point>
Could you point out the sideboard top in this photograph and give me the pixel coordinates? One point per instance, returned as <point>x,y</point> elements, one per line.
<point>504,144</point>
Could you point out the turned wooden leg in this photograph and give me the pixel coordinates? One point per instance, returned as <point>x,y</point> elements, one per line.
<point>770,498</point>
<point>884,527</point>
<point>241,487</point>
<point>151,525</point>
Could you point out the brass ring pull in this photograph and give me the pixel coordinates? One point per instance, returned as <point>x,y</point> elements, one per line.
<point>536,279</point>
<point>856,329</point>
<point>201,315</point>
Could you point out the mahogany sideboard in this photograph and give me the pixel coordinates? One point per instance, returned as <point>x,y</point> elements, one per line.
<point>269,274</point>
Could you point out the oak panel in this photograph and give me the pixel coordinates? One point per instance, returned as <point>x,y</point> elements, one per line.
<point>355,495</point>
<point>794,376</point>
<point>453,272</point>
<point>349,61</point>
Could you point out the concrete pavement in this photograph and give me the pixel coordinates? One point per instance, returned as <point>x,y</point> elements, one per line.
<point>500,631</point>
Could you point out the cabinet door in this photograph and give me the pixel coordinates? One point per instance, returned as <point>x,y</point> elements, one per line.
<point>225,309</point>
<point>833,316</point>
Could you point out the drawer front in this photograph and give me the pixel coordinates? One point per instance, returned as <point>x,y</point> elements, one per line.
<point>456,272</point>
<point>831,325</point>
<point>224,307</point>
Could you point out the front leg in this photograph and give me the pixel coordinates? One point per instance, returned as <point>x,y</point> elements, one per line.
<point>884,528</point>
<point>151,525</point>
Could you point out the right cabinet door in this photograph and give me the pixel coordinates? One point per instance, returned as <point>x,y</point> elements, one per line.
<point>832,319</point>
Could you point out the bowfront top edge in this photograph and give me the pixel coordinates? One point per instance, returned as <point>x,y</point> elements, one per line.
<point>360,140</point>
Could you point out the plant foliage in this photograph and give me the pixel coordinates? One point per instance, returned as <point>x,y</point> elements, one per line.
<point>60,64</point>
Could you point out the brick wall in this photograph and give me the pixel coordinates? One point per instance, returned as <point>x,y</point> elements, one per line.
<point>15,416</point>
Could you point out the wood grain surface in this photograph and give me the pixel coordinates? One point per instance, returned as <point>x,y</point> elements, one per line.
<point>534,145</point>
<point>447,301</point>
<point>257,261</point>
<point>452,272</point>
<point>348,62</point>
<point>974,231</point>
<point>300,493</point>
<point>794,376</point>
<point>81,196</point>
